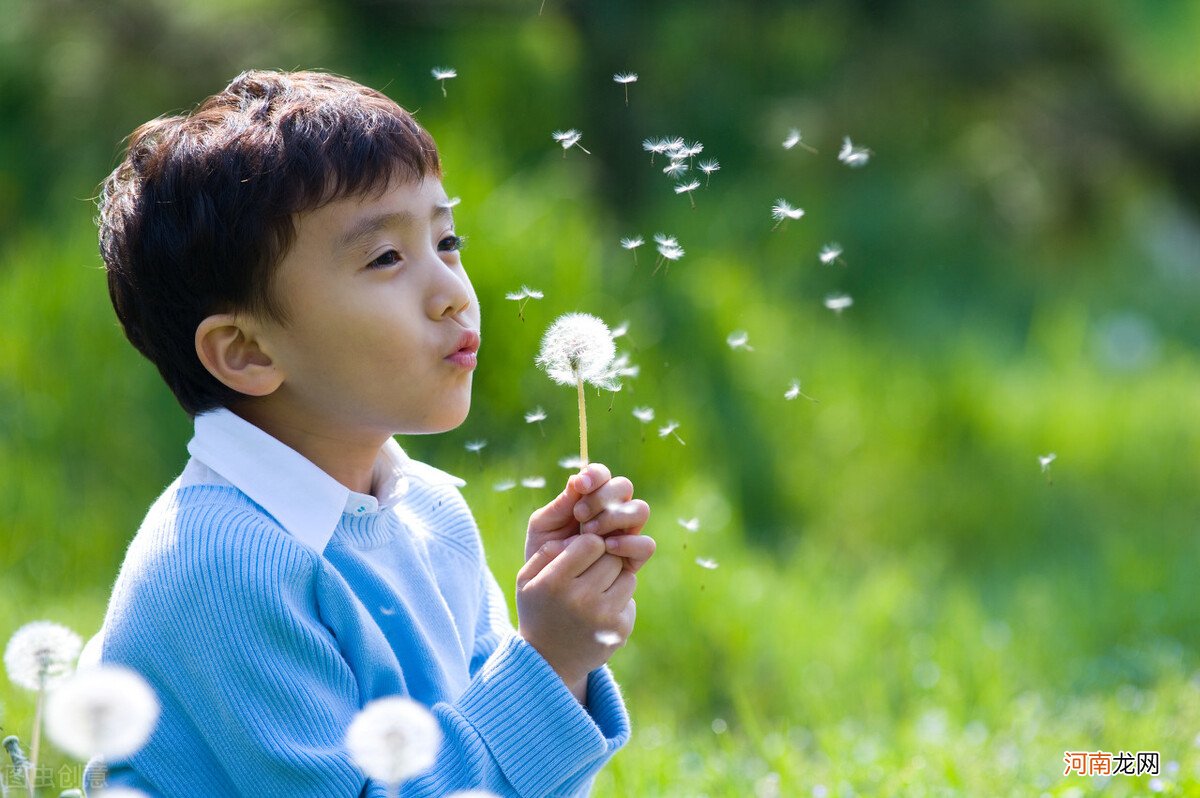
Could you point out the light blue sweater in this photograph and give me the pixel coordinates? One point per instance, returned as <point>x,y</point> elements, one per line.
<point>263,641</point>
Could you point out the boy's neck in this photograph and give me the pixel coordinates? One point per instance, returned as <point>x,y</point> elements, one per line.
<point>347,456</point>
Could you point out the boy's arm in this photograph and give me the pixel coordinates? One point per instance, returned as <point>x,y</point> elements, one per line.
<point>257,696</point>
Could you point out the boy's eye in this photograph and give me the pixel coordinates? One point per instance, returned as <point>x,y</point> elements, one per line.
<point>452,243</point>
<point>386,259</point>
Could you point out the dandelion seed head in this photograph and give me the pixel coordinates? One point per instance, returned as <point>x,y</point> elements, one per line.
<point>853,156</point>
<point>444,73</point>
<point>644,414</point>
<point>535,415</point>
<point>793,390</point>
<point>632,243</point>
<point>41,650</point>
<point>690,524</point>
<point>532,293</point>
<point>739,339</point>
<point>1044,460</point>
<point>665,240</point>
<point>675,168</point>
<point>106,710</point>
<point>475,446</point>
<point>829,253</point>
<point>625,77</point>
<point>793,138</point>
<point>838,302</point>
<point>670,252</point>
<point>567,138</point>
<point>686,188</point>
<point>393,739</point>
<point>533,482</point>
<point>516,296</point>
<point>708,167</point>
<point>707,563</point>
<point>656,146</point>
<point>577,346</point>
<point>782,209</point>
<point>668,429</point>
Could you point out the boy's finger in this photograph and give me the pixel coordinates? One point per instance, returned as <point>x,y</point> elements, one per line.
<point>622,589</point>
<point>636,549</point>
<point>580,553</point>
<point>540,559</point>
<point>615,491</point>
<point>603,572</point>
<point>592,476</point>
<point>627,517</point>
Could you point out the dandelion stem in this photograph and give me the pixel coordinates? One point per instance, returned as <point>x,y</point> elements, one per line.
<point>583,452</point>
<point>443,88</point>
<point>36,736</point>
<point>626,85</point>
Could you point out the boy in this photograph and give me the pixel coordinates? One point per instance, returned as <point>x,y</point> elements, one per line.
<point>285,255</point>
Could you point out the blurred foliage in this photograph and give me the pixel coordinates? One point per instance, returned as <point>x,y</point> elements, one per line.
<point>905,604</point>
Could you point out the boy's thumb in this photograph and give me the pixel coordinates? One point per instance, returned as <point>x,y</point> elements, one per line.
<point>558,513</point>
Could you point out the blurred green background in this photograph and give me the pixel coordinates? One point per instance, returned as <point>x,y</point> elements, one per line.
<point>905,604</point>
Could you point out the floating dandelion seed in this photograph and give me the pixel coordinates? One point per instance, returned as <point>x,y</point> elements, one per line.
<point>644,414</point>
<point>632,244</point>
<point>829,253</point>
<point>654,147</point>
<point>107,711</point>
<point>739,339</point>
<point>533,482</point>
<point>569,139</point>
<point>690,524</point>
<point>503,485</point>
<point>620,330</point>
<point>852,156</point>
<point>793,139</point>
<point>607,638</point>
<point>1044,460</point>
<point>670,430</point>
<point>449,203</point>
<point>782,210</point>
<point>794,390</point>
<point>578,348</point>
<point>838,302</point>
<point>706,563</point>
<point>536,416</point>
<point>521,297</point>
<point>688,188</point>
<point>571,462</point>
<point>40,656</point>
<point>708,167</point>
<point>475,446</point>
<point>668,249</point>
<point>625,78</point>
<point>675,168</point>
<point>393,739</point>
<point>442,75</point>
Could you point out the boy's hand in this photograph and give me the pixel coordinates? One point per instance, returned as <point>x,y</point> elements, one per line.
<point>597,503</point>
<point>575,606</point>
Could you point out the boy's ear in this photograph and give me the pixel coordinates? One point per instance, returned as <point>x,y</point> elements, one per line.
<point>229,348</point>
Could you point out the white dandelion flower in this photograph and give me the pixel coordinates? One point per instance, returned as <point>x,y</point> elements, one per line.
<point>106,710</point>
<point>578,348</point>
<point>706,563</point>
<point>829,253</point>
<point>708,167</point>
<point>793,139</point>
<point>644,414</point>
<point>853,156</point>
<point>534,482</point>
<point>569,139</point>
<point>475,446</point>
<point>669,429</point>
<point>838,302</point>
<point>739,339</point>
<point>625,78</point>
<point>690,524</point>
<point>503,485</point>
<point>41,654</point>
<point>452,202</point>
<point>794,391</point>
<point>393,739</point>
<point>442,75</point>
<point>782,210</point>
<point>608,638</point>
<point>571,462</point>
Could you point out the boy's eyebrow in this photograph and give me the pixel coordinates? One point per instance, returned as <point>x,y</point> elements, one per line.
<point>373,224</point>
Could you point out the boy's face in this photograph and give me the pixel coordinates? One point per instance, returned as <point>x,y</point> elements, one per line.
<point>376,309</point>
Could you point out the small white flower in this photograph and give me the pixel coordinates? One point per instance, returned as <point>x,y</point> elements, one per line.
<point>41,654</point>
<point>393,739</point>
<point>794,138</point>
<point>670,430</point>
<point>569,139</point>
<point>502,486</point>
<point>853,156</point>
<point>577,347</point>
<point>782,210</point>
<point>644,414</point>
<point>607,638</point>
<point>690,524</point>
<point>107,711</point>
<point>475,446</point>
<point>449,203</point>
<point>829,253</point>
<point>571,462</point>
<point>533,482</point>
<point>536,415</point>
<point>704,562</point>
<point>442,75</point>
<point>1044,460</point>
<point>625,78</point>
<point>739,339</point>
<point>794,390</point>
<point>708,167</point>
<point>838,302</point>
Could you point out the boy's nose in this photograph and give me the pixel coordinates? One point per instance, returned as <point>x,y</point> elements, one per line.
<point>453,294</point>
